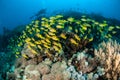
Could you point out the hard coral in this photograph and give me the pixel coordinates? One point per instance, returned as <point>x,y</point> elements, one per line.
<point>109,56</point>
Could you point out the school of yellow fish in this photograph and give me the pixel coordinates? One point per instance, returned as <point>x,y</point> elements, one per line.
<point>47,33</point>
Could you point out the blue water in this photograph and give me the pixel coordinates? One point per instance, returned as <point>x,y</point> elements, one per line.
<point>18,12</point>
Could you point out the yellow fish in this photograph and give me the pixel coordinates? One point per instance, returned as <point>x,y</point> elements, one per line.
<point>62,35</point>
<point>20,44</point>
<point>87,25</point>
<point>52,30</point>
<point>96,23</point>
<point>59,16</point>
<point>25,56</point>
<point>55,38</point>
<point>43,41</point>
<point>46,25</point>
<point>70,19</point>
<point>16,56</point>
<point>91,39</point>
<point>47,40</point>
<point>27,27</point>
<point>85,37</point>
<point>109,36</point>
<point>33,51</point>
<point>32,39</point>
<point>39,36</point>
<point>30,32</point>
<point>46,30</point>
<point>17,53</point>
<point>39,47</point>
<point>48,36</point>
<point>42,28</point>
<point>24,33</point>
<point>76,30</point>
<point>46,46</point>
<point>23,36</point>
<point>56,48</point>
<point>38,42</point>
<point>84,27</point>
<point>37,22</point>
<point>73,41</point>
<point>77,37</point>
<point>44,18</point>
<point>102,25</point>
<point>118,27</point>
<point>111,28</point>
<point>83,16</point>
<point>59,26</point>
<point>51,34</point>
<point>37,30</point>
<point>114,32</point>
<point>29,47</point>
<point>47,53</point>
<point>31,44</point>
<point>93,21</point>
<point>70,28</point>
<point>61,22</point>
<point>55,43</point>
<point>27,39</point>
<point>35,26</point>
<point>83,19</point>
<point>78,22</point>
<point>52,18</point>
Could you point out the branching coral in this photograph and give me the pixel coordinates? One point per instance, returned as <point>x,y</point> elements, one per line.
<point>109,56</point>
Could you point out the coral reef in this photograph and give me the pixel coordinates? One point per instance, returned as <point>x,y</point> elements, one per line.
<point>81,66</point>
<point>64,48</point>
<point>52,71</point>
